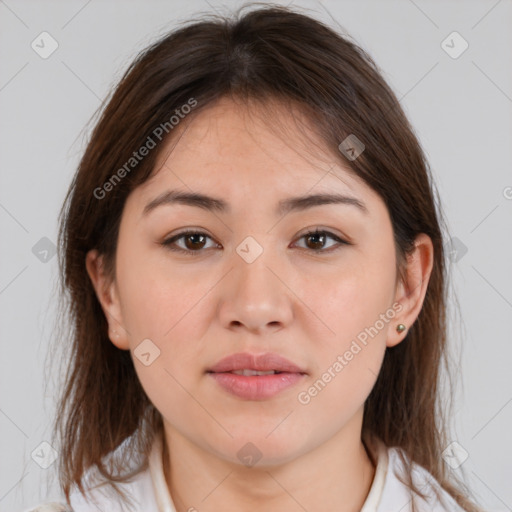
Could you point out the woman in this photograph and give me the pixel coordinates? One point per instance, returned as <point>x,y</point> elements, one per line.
<point>254,264</point>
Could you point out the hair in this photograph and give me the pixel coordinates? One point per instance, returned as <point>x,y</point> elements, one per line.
<point>268,54</point>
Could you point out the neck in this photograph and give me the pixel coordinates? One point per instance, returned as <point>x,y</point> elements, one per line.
<point>336,475</point>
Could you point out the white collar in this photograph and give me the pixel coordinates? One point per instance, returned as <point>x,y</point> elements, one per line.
<point>156,470</point>
<point>380,453</point>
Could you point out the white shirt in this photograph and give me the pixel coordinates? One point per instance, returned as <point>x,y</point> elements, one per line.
<point>151,494</point>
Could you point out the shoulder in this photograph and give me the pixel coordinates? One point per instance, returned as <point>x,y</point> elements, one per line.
<point>397,494</point>
<point>102,496</point>
<point>51,507</point>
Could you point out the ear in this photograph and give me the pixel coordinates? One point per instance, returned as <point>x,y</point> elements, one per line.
<point>410,292</point>
<point>106,291</point>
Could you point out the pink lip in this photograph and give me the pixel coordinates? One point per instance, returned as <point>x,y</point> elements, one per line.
<point>256,387</point>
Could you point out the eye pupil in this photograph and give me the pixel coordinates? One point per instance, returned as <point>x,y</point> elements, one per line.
<point>193,245</point>
<point>317,244</point>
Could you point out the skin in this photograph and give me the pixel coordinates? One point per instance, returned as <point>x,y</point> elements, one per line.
<point>304,305</point>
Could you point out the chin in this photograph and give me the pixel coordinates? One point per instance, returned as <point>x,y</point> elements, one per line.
<point>258,449</point>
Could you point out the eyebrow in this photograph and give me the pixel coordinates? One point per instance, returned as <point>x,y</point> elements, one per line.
<point>284,206</point>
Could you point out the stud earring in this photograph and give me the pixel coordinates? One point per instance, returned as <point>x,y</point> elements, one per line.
<point>400,328</point>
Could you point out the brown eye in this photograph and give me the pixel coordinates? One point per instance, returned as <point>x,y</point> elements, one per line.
<point>193,242</point>
<point>315,241</point>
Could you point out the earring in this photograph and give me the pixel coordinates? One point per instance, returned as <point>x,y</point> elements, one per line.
<point>400,328</point>
<point>116,334</point>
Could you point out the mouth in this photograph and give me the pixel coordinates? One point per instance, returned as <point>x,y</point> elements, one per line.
<point>255,377</point>
<point>251,373</point>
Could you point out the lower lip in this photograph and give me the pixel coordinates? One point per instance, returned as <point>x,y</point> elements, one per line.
<point>256,387</point>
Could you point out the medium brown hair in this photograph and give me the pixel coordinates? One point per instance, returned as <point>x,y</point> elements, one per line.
<point>269,53</point>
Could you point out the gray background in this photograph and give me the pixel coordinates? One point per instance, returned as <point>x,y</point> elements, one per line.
<point>460,108</point>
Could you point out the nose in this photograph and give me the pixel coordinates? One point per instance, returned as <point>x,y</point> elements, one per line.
<point>255,297</point>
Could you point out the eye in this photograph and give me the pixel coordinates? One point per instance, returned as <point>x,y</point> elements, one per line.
<point>194,241</point>
<point>317,240</point>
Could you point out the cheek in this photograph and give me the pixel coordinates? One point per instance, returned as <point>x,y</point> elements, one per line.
<point>354,302</point>
<point>160,308</point>
<point>157,300</point>
<point>352,298</point>
<point>163,306</point>
<point>347,362</point>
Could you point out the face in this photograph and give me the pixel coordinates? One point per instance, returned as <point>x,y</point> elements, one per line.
<point>249,279</point>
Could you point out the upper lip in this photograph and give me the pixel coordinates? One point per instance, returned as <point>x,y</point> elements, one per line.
<point>262,362</point>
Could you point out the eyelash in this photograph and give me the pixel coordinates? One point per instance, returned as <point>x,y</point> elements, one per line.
<point>168,243</point>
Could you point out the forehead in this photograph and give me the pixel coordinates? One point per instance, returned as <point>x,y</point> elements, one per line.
<point>249,151</point>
